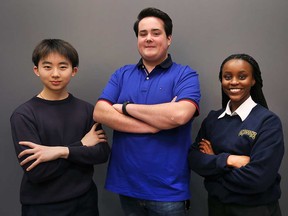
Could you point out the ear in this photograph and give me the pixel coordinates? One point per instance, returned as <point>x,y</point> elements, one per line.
<point>253,82</point>
<point>75,70</point>
<point>169,40</point>
<point>35,69</point>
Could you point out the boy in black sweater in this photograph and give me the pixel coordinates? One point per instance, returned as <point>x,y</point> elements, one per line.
<point>56,140</point>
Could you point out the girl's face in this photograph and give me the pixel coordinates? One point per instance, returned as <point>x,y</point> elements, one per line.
<point>237,80</point>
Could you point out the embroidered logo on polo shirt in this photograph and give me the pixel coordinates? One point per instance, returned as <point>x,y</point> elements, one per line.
<point>251,134</point>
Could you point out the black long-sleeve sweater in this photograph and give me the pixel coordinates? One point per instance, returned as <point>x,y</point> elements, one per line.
<point>57,123</point>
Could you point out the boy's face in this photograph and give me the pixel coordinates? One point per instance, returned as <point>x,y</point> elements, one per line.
<point>153,43</point>
<point>55,72</point>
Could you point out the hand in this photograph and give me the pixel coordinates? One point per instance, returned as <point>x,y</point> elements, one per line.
<point>205,147</point>
<point>40,153</point>
<point>94,137</point>
<point>237,161</point>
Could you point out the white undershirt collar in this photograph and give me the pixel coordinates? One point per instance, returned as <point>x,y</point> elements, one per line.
<point>242,111</point>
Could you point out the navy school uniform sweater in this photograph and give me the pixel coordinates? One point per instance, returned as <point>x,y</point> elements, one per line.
<point>259,136</point>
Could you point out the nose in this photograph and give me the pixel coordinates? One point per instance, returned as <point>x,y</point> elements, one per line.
<point>55,73</point>
<point>234,81</point>
<point>148,38</point>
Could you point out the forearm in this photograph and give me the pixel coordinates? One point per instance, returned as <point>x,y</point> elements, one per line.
<point>89,155</point>
<point>262,170</point>
<point>46,171</point>
<point>43,171</point>
<point>207,165</point>
<point>258,175</point>
<point>104,113</point>
<point>62,152</point>
<point>163,116</point>
<point>251,179</point>
<point>37,154</point>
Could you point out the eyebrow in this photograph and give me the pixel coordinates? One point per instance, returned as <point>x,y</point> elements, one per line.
<point>241,71</point>
<point>47,62</point>
<point>144,30</point>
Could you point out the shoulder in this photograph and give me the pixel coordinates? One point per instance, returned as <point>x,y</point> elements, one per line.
<point>264,112</point>
<point>215,113</point>
<point>124,71</point>
<point>25,110</point>
<point>183,68</point>
<point>26,107</point>
<point>183,74</point>
<point>260,113</point>
<point>81,102</point>
<point>125,68</point>
<point>212,116</point>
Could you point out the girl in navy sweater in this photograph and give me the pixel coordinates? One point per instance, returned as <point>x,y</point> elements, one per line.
<point>239,148</point>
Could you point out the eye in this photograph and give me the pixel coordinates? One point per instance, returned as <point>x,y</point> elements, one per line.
<point>64,67</point>
<point>156,33</point>
<point>47,67</point>
<point>242,77</point>
<point>227,76</point>
<point>142,34</point>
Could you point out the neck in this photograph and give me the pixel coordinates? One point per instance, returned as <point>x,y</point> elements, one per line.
<point>150,65</point>
<point>53,96</point>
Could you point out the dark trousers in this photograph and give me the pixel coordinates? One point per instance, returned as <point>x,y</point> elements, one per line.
<point>216,208</point>
<point>85,205</point>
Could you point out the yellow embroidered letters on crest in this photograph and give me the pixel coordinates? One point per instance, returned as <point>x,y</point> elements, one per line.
<point>251,134</point>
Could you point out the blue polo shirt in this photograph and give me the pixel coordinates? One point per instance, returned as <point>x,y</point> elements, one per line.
<point>152,166</point>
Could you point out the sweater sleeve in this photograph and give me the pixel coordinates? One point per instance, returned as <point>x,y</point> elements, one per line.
<point>24,129</point>
<point>204,164</point>
<point>265,160</point>
<point>89,155</point>
<point>207,165</point>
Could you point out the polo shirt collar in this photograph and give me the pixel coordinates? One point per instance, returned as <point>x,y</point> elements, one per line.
<point>242,111</point>
<point>165,64</point>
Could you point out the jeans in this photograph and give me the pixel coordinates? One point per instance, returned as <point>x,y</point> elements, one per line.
<point>137,207</point>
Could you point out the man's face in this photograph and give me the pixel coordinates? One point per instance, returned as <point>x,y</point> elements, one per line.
<point>153,43</point>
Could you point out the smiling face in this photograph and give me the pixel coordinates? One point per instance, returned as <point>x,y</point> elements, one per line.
<point>153,43</point>
<point>55,72</point>
<point>237,80</point>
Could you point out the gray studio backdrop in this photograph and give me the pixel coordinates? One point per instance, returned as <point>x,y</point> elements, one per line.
<point>205,32</point>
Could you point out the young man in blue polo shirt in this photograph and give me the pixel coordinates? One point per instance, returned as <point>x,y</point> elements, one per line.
<point>150,106</point>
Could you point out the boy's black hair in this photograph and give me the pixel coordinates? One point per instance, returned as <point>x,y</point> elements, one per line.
<point>154,12</point>
<point>256,90</point>
<point>48,46</point>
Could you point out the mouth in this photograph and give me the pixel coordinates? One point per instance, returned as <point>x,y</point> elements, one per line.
<point>234,90</point>
<point>55,82</point>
